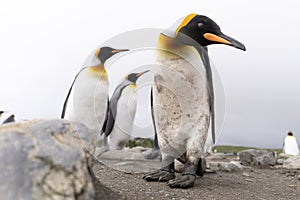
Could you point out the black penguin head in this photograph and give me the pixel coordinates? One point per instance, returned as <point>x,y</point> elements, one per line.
<point>133,77</point>
<point>205,31</point>
<point>105,53</point>
<point>290,133</point>
<point>1,112</point>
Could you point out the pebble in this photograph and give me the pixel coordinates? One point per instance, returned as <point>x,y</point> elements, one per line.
<point>245,174</point>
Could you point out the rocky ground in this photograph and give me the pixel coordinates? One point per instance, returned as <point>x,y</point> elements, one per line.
<point>248,183</point>
<point>53,159</point>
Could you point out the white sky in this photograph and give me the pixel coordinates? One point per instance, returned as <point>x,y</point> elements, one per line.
<point>44,43</point>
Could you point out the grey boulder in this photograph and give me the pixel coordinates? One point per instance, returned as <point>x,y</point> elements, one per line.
<point>257,158</point>
<point>45,159</point>
<point>292,163</point>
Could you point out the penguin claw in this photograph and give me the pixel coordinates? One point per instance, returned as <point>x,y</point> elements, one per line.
<point>160,176</point>
<point>184,182</point>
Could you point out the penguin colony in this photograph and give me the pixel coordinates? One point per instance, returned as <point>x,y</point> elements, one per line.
<point>185,127</point>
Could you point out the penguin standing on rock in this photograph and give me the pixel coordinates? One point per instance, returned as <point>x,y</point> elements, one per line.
<point>87,98</point>
<point>183,91</point>
<point>121,112</point>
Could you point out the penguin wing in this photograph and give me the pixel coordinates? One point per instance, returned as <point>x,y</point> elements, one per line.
<point>68,95</point>
<point>112,107</point>
<point>9,119</point>
<point>153,121</point>
<point>204,56</point>
<point>106,117</point>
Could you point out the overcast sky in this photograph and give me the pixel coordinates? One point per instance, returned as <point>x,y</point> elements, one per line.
<point>44,43</point>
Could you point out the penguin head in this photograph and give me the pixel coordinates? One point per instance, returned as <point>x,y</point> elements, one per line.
<point>3,112</point>
<point>205,31</point>
<point>105,53</point>
<point>133,77</point>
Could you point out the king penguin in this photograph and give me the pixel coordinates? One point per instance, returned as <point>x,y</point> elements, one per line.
<point>183,89</point>
<point>87,98</point>
<point>6,117</point>
<point>121,113</point>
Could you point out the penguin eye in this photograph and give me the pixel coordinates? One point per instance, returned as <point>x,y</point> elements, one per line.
<point>200,24</point>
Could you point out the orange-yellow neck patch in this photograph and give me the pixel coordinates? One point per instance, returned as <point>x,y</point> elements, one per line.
<point>99,70</point>
<point>133,86</point>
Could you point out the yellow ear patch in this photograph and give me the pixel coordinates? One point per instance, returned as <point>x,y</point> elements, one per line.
<point>215,38</point>
<point>97,52</point>
<point>186,20</point>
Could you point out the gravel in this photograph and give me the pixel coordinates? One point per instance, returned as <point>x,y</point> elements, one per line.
<point>251,183</point>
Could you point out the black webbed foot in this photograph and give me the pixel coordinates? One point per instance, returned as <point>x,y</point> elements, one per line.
<point>164,174</point>
<point>185,181</point>
<point>160,175</point>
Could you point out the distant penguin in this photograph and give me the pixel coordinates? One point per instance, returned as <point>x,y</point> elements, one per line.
<point>290,145</point>
<point>121,113</point>
<point>6,117</point>
<point>87,98</point>
<point>184,92</point>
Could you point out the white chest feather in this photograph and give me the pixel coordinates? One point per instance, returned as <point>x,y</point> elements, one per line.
<point>88,100</point>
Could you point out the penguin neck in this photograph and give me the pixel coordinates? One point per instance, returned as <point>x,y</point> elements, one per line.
<point>99,70</point>
<point>133,86</point>
<point>170,48</point>
<point>129,88</point>
<point>171,51</point>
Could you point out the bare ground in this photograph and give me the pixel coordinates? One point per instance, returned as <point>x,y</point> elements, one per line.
<point>251,183</point>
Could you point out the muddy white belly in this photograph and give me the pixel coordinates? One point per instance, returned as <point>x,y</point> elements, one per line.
<point>181,106</point>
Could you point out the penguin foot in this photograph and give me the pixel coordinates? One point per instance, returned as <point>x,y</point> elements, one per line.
<point>184,182</point>
<point>160,176</point>
<point>100,151</point>
<point>153,154</point>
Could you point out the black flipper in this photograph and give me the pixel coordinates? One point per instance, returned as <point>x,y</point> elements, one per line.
<point>156,147</point>
<point>106,117</point>
<point>112,108</point>
<point>155,151</point>
<point>68,95</point>
<point>204,56</point>
<point>10,119</point>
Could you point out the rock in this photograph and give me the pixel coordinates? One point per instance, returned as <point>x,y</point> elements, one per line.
<point>299,177</point>
<point>284,156</point>
<point>121,155</point>
<point>216,156</point>
<point>280,161</point>
<point>292,163</point>
<point>246,174</point>
<point>257,157</point>
<point>152,154</point>
<point>225,166</point>
<point>138,149</point>
<point>46,159</point>
<point>234,166</point>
